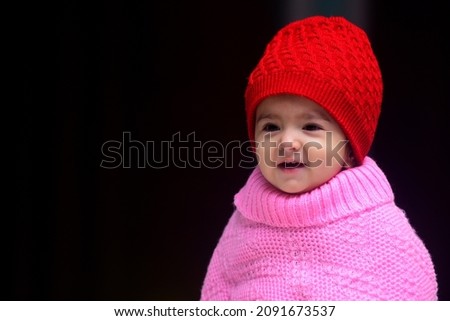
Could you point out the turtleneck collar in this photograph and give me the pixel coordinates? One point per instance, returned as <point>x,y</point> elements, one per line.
<point>351,191</point>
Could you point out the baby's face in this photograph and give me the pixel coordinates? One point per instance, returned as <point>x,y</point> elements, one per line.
<point>298,145</point>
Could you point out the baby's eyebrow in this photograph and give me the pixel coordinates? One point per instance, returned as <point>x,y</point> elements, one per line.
<point>264,116</point>
<point>316,115</point>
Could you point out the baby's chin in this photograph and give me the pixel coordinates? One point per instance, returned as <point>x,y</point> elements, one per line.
<point>293,188</point>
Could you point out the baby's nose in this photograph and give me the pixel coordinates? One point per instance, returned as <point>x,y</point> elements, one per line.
<point>290,141</point>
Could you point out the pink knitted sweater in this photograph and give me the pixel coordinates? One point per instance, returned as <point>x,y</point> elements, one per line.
<point>345,240</point>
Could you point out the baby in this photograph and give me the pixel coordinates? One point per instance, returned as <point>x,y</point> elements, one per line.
<point>316,219</point>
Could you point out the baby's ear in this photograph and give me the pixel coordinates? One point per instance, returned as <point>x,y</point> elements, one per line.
<point>349,159</point>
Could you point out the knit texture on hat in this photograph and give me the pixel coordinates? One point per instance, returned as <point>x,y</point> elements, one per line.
<point>330,61</point>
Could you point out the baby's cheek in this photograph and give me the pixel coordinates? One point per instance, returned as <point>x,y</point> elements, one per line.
<point>266,156</point>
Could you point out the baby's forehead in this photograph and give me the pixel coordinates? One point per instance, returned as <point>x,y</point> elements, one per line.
<point>291,105</point>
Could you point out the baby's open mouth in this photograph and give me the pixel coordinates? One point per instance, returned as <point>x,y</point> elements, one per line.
<point>290,165</point>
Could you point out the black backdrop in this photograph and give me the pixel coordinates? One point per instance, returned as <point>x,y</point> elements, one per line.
<point>92,72</point>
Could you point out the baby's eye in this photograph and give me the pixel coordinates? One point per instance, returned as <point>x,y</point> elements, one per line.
<point>270,127</point>
<point>312,127</point>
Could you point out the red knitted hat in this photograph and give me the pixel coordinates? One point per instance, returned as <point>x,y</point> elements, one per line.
<point>330,61</point>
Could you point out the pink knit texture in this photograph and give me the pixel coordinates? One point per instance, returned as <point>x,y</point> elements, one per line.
<point>346,240</point>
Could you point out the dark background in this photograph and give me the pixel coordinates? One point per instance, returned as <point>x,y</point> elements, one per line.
<point>92,71</point>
